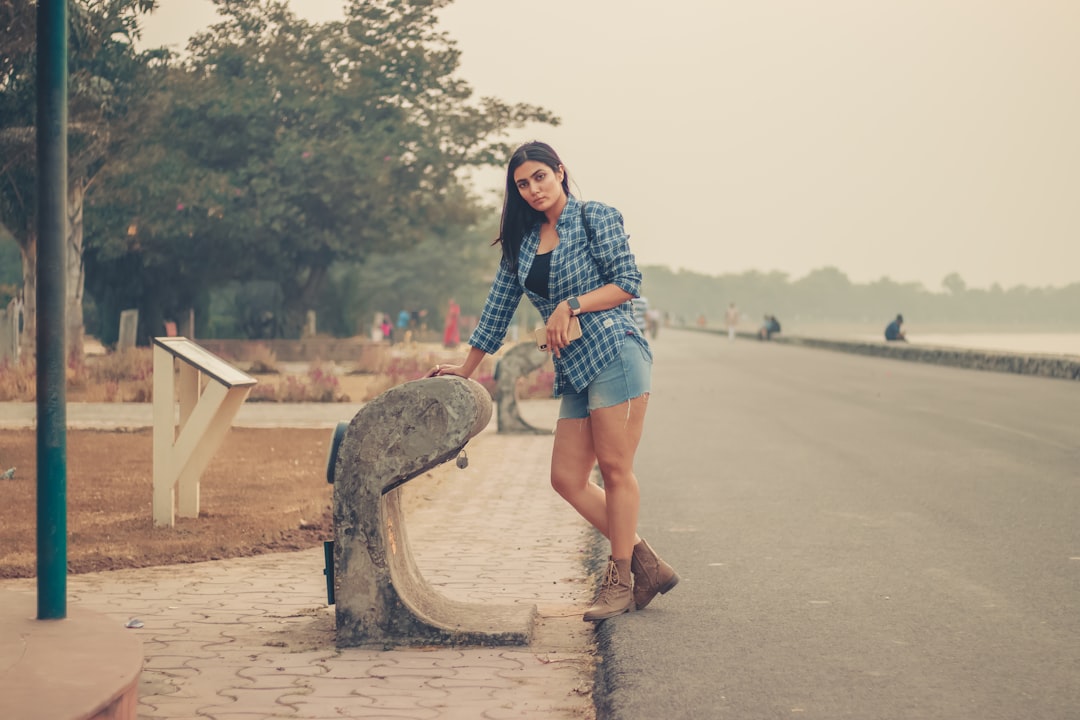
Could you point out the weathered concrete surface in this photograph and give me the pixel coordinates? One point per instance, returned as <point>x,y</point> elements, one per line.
<point>381,597</point>
<point>518,362</point>
<point>84,666</point>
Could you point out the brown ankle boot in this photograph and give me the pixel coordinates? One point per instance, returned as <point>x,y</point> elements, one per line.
<point>651,575</point>
<point>616,594</point>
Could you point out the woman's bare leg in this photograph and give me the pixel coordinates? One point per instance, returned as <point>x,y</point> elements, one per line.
<point>616,432</point>
<point>572,460</point>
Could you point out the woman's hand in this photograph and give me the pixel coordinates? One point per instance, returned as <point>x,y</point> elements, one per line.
<point>558,328</point>
<point>465,369</point>
<point>447,370</point>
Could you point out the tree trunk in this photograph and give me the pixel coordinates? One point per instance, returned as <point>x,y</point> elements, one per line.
<point>28,339</point>
<point>74,269</point>
<point>304,300</point>
<point>74,279</point>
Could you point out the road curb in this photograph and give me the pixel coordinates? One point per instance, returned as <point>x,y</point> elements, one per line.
<point>1061,367</point>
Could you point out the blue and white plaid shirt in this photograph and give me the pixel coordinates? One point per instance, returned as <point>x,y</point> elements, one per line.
<point>579,264</point>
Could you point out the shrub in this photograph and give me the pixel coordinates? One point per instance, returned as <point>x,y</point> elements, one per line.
<point>319,385</point>
<point>538,384</point>
<point>127,376</point>
<point>124,376</point>
<point>292,389</point>
<point>404,368</point>
<point>263,392</point>
<point>323,384</point>
<point>263,360</point>
<point>17,381</point>
<point>129,364</point>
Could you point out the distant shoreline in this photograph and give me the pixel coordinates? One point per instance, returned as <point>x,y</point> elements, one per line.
<point>1048,365</point>
<point>1033,339</point>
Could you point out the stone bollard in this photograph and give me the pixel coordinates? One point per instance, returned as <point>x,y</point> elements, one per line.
<point>380,596</point>
<point>518,362</point>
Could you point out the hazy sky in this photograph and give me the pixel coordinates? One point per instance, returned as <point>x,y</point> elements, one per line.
<point>907,138</point>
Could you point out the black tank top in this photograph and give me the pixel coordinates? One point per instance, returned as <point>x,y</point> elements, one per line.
<point>539,275</point>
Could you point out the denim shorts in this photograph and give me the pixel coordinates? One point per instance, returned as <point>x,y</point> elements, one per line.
<point>626,377</point>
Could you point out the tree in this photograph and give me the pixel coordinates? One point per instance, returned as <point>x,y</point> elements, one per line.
<point>954,284</point>
<point>106,77</point>
<point>827,290</point>
<point>287,146</point>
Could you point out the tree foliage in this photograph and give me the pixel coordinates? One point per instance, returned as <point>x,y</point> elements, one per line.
<point>443,266</point>
<point>107,77</point>
<point>280,148</point>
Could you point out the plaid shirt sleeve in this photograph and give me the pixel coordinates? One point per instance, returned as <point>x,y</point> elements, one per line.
<point>502,302</point>
<point>610,248</point>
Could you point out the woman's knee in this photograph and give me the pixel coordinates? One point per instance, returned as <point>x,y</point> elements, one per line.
<point>559,484</point>
<point>568,484</point>
<point>617,474</point>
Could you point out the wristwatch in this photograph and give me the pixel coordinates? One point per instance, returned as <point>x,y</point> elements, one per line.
<point>575,306</point>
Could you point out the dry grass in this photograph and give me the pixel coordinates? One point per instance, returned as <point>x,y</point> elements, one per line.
<point>263,360</point>
<point>17,381</point>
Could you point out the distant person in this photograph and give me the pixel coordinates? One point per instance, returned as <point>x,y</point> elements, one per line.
<point>387,329</point>
<point>451,334</point>
<point>731,319</point>
<point>894,331</point>
<point>402,325</point>
<point>768,328</point>
<point>640,306</point>
<point>652,322</point>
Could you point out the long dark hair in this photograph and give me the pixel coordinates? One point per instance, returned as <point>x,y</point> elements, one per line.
<point>518,217</point>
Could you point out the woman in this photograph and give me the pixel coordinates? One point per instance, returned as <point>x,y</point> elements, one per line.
<point>573,260</point>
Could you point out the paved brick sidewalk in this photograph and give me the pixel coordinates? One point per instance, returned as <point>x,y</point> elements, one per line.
<point>253,637</point>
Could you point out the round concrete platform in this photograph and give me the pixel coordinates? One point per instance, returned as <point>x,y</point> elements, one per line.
<point>84,666</point>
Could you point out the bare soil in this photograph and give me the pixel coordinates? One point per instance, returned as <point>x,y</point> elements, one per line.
<point>265,490</point>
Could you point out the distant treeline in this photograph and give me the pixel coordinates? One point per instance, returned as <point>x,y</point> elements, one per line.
<point>826,295</point>
<point>388,283</point>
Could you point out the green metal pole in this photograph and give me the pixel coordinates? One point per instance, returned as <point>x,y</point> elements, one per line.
<point>52,72</point>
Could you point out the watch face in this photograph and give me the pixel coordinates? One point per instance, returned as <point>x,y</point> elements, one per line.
<point>573,303</point>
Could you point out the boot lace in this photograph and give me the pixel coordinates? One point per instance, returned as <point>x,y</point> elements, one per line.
<point>609,583</point>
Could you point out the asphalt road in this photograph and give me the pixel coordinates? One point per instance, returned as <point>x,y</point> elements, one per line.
<point>858,538</point>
